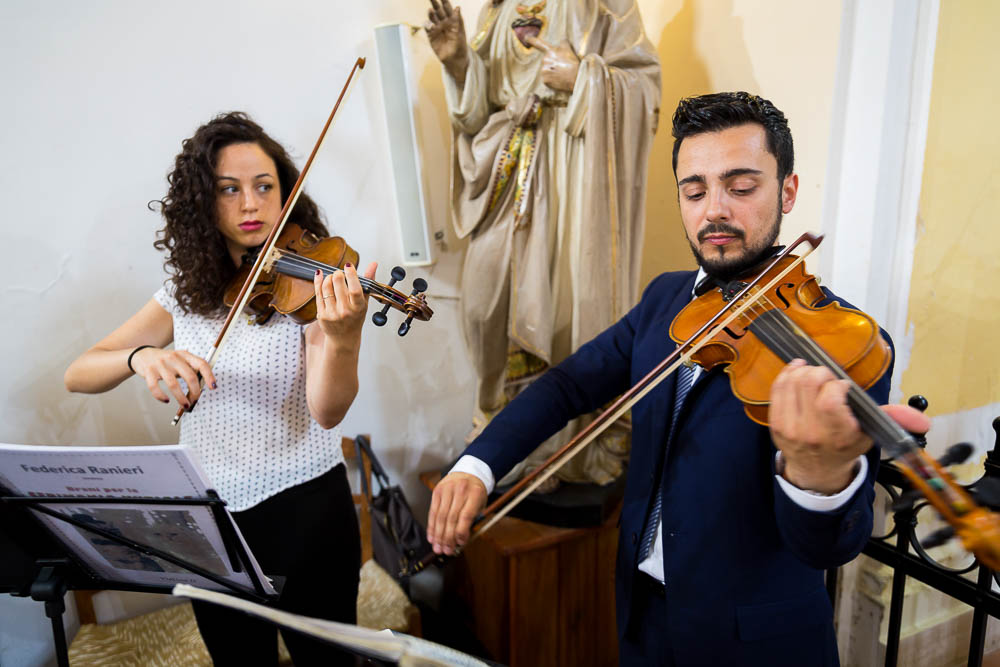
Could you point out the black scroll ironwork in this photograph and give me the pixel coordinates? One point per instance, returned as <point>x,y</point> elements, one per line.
<point>902,550</point>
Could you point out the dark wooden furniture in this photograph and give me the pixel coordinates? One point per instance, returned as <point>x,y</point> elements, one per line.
<point>536,595</point>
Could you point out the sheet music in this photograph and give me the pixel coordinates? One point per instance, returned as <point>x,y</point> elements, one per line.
<point>189,532</point>
<point>405,650</point>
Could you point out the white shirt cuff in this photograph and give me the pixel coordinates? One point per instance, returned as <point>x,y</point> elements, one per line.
<point>478,468</point>
<point>817,502</point>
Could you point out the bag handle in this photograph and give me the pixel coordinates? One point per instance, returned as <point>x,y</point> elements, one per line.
<point>377,469</point>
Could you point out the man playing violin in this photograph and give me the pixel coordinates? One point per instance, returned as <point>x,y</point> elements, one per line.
<point>266,430</point>
<point>726,525</point>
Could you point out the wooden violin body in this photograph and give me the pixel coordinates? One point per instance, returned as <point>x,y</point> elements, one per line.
<point>850,337</point>
<point>294,296</point>
<point>286,284</point>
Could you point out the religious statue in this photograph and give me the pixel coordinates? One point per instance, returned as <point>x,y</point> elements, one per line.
<point>553,106</point>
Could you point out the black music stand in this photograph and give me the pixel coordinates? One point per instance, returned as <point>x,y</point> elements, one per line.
<point>35,563</point>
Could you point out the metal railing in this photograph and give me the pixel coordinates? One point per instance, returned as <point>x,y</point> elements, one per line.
<point>909,558</point>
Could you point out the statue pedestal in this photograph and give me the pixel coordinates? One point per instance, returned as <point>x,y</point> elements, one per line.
<point>537,595</point>
<point>571,505</point>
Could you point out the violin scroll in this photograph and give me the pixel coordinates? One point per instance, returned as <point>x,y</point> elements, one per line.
<point>966,509</point>
<point>415,305</point>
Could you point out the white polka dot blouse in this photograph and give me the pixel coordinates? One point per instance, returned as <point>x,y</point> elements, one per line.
<point>254,435</point>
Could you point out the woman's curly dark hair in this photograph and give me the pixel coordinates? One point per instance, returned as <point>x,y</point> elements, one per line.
<point>199,264</point>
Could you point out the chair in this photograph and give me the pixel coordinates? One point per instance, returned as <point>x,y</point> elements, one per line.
<point>382,603</point>
<point>361,501</point>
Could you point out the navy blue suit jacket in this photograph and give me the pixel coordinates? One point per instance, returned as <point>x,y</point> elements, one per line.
<point>743,563</point>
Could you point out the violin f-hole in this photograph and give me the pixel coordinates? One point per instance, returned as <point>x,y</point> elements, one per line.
<point>733,334</point>
<point>777,293</point>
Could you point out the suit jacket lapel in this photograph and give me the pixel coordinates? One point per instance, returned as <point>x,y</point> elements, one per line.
<point>662,397</point>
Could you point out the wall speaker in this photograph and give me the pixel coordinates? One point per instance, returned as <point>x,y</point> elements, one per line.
<point>393,47</point>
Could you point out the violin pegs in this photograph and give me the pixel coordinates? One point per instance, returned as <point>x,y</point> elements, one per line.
<point>404,328</point>
<point>956,454</point>
<point>398,273</point>
<point>918,402</point>
<point>419,285</point>
<point>379,318</point>
<point>938,537</point>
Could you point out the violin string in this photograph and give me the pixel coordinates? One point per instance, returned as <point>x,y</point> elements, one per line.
<point>304,262</point>
<point>780,327</point>
<point>300,261</point>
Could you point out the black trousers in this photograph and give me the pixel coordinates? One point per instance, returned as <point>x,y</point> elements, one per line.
<point>646,642</point>
<point>309,535</point>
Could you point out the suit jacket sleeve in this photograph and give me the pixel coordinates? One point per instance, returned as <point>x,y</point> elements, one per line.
<point>596,373</point>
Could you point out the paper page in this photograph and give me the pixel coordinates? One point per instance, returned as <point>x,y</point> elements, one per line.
<point>406,650</point>
<point>189,532</point>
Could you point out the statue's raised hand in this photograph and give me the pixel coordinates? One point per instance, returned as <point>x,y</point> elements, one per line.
<point>559,65</point>
<point>446,33</point>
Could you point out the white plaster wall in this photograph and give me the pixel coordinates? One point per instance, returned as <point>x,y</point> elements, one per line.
<point>97,97</point>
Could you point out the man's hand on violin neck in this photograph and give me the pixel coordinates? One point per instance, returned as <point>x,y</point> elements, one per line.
<point>811,423</point>
<point>457,500</point>
<point>818,435</point>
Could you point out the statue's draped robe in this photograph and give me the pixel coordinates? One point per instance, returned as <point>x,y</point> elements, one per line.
<point>550,189</point>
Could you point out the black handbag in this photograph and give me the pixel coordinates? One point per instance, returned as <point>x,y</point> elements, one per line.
<point>399,542</point>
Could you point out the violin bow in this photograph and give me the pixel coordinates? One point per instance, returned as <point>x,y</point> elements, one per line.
<point>977,527</point>
<point>624,403</point>
<point>264,255</point>
<point>500,507</point>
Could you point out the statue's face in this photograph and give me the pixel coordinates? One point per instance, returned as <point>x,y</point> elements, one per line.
<point>730,199</point>
<point>529,22</point>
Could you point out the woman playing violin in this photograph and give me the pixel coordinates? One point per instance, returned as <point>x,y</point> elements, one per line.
<point>726,524</point>
<point>265,429</point>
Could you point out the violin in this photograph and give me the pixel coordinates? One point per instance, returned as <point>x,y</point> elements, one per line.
<point>786,324</point>
<point>286,283</point>
<point>755,328</point>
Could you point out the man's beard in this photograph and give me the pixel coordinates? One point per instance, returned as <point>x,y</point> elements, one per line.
<point>731,265</point>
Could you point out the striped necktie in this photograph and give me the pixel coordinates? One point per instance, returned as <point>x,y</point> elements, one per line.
<point>685,375</point>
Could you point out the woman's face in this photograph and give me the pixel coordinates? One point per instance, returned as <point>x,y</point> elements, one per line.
<point>247,197</point>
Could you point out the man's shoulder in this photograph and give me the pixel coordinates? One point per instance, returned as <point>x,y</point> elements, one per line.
<point>832,297</point>
<point>667,285</point>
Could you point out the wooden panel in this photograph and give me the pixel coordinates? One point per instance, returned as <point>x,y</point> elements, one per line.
<point>577,612</point>
<point>606,650</point>
<point>535,585</point>
<point>536,595</point>
<point>482,576</point>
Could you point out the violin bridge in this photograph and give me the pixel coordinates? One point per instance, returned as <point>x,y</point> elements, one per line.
<point>271,258</point>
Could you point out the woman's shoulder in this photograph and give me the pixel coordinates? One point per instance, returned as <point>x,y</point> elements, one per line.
<point>166,298</point>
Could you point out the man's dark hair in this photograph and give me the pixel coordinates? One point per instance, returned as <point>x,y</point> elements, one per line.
<point>721,111</point>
